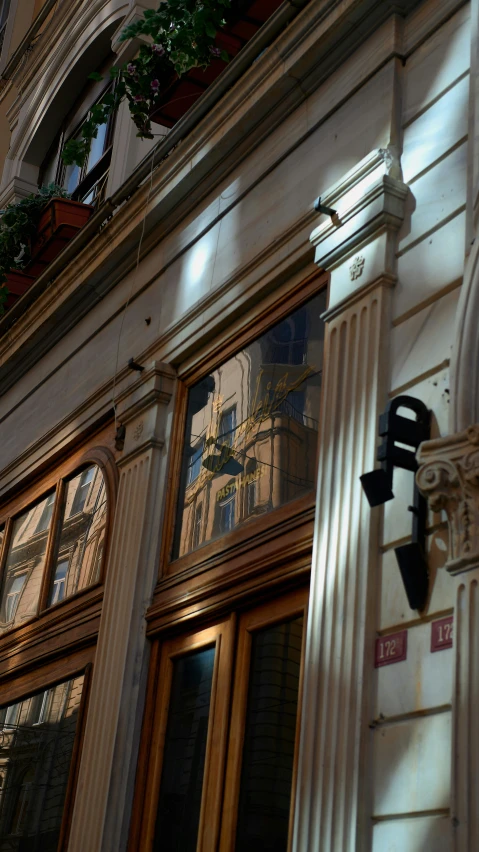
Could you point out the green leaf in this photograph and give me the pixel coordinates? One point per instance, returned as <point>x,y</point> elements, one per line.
<point>95,76</point>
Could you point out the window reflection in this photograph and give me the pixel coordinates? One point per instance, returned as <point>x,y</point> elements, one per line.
<point>184,754</point>
<point>252,430</point>
<point>82,532</point>
<point>269,741</point>
<point>36,744</point>
<point>25,564</point>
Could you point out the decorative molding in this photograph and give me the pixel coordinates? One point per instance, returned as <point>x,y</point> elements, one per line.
<point>449,479</point>
<point>17,189</point>
<point>356,268</point>
<point>370,208</point>
<point>108,766</point>
<point>367,202</point>
<point>464,407</point>
<point>126,50</point>
<point>465,747</point>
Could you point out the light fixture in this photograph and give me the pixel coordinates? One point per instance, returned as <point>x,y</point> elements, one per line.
<point>378,488</point>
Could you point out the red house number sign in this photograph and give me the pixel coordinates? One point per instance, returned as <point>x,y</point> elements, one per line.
<point>441,634</point>
<point>391,649</point>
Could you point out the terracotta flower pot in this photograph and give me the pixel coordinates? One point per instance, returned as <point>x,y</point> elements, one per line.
<point>17,283</point>
<point>59,223</point>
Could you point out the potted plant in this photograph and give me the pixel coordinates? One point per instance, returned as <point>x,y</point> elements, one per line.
<point>32,233</point>
<point>60,220</point>
<point>181,36</point>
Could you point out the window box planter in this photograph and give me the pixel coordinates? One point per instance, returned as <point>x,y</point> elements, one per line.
<point>182,93</point>
<point>18,283</point>
<point>59,223</point>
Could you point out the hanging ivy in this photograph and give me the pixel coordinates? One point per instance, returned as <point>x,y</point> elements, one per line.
<point>182,34</point>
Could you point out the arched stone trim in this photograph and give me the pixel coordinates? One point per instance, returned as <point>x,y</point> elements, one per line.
<point>465,354</point>
<point>39,114</point>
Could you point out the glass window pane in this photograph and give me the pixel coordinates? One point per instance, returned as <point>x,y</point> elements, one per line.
<point>97,147</point>
<point>270,728</point>
<point>79,549</point>
<point>36,745</point>
<point>253,421</point>
<point>72,178</point>
<point>184,755</point>
<point>25,563</point>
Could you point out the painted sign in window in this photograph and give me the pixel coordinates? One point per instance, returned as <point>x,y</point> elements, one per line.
<point>252,430</point>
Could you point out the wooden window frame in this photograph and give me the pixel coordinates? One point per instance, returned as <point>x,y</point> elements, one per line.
<point>58,644</point>
<point>262,527</point>
<point>147,790</point>
<point>46,679</point>
<point>58,485</point>
<point>222,773</point>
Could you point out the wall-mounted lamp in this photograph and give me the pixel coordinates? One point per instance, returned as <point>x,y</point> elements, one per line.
<point>377,486</point>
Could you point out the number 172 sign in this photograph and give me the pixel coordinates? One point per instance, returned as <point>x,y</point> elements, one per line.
<point>391,649</point>
<point>441,634</point>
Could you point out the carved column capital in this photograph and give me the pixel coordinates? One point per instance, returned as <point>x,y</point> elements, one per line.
<point>138,409</point>
<point>449,480</point>
<point>358,244</point>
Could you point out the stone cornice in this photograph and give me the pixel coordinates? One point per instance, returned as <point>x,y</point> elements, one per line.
<point>449,479</point>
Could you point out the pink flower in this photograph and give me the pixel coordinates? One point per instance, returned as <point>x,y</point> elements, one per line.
<point>158,49</point>
<point>215,51</point>
<point>155,85</point>
<point>139,98</point>
<point>131,68</point>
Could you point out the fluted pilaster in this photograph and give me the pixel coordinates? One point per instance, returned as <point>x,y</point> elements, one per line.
<point>108,764</point>
<point>345,545</point>
<point>331,810</point>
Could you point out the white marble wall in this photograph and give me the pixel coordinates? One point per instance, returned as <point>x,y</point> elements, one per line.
<point>412,699</point>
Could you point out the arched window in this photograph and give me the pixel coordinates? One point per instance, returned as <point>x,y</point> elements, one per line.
<point>54,548</point>
<point>87,184</point>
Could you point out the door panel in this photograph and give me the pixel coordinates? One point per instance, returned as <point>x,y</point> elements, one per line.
<point>217,765</point>
<point>186,739</point>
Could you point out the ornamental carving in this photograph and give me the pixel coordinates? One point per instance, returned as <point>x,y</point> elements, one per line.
<point>356,268</point>
<point>449,480</point>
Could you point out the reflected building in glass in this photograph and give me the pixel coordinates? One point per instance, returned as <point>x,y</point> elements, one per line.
<point>36,746</point>
<point>252,430</point>
<point>77,548</point>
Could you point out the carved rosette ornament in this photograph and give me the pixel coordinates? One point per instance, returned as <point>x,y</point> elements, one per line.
<point>449,480</point>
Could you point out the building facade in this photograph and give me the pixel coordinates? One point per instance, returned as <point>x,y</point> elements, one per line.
<point>206,640</point>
